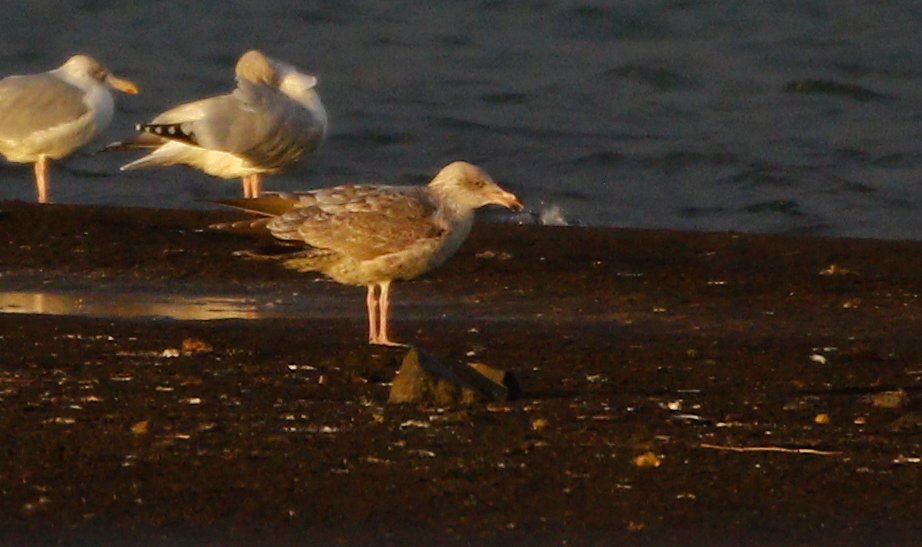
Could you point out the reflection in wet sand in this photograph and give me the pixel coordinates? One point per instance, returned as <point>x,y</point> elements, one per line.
<point>129,303</point>
<point>183,307</point>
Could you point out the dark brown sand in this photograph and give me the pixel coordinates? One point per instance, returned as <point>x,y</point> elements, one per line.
<point>652,344</point>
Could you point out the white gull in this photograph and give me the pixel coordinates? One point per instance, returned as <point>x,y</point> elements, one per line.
<point>50,115</point>
<point>272,120</point>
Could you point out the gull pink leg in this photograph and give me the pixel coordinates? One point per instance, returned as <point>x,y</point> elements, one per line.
<point>252,186</point>
<point>385,309</point>
<point>371,302</point>
<point>41,179</point>
<point>246,186</point>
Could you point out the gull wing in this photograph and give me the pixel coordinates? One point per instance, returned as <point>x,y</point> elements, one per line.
<point>37,102</point>
<point>362,222</point>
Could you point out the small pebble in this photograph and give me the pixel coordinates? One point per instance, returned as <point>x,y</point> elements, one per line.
<point>890,399</point>
<point>648,459</point>
<point>195,346</point>
<point>141,428</point>
<point>817,358</point>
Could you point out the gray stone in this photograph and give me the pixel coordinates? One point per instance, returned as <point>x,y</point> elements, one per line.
<point>424,379</point>
<point>500,377</point>
<point>897,398</point>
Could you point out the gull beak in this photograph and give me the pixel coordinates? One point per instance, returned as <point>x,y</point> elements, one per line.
<point>507,199</point>
<point>124,86</point>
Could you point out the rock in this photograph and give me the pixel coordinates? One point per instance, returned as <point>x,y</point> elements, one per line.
<point>424,379</point>
<point>648,459</point>
<point>834,269</point>
<point>501,377</point>
<point>890,399</point>
<point>907,423</point>
<point>633,526</point>
<point>192,346</point>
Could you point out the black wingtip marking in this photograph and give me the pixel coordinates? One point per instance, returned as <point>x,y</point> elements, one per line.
<point>172,131</point>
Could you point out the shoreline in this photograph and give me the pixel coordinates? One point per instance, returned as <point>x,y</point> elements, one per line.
<point>628,343</point>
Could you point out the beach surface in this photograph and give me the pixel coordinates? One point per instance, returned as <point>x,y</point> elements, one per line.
<point>679,389</point>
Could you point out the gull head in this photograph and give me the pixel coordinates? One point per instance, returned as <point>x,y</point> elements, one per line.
<point>255,67</point>
<point>84,66</point>
<point>258,68</point>
<point>467,186</point>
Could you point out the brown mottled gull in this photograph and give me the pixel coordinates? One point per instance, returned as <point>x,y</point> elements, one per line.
<point>370,235</point>
<point>50,115</point>
<point>271,121</point>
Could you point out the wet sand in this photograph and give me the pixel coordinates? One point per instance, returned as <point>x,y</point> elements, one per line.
<point>680,389</point>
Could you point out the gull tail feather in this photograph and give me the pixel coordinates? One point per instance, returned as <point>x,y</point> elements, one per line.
<point>271,205</point>
<point>310,260</point>
<point>158,157</point>
<point>141,141</point>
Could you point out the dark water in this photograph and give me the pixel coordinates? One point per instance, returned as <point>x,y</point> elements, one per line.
<point>777,116</point>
